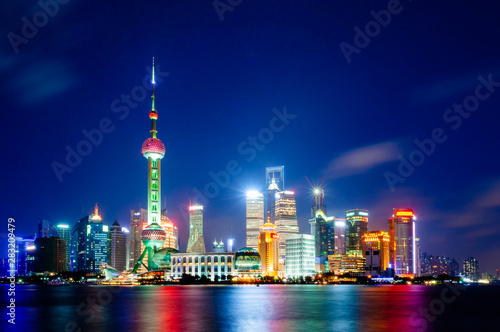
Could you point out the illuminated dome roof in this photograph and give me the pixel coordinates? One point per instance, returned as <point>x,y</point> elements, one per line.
<point>247,259</point>
<point>161,259</point>
<point>154,148</point>
<point>153,236</point>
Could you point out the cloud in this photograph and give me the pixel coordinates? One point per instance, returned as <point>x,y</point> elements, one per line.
<point>361,160</point>
<point>491,197</point>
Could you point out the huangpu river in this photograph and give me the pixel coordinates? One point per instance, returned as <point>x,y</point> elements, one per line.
<point>250,308</point>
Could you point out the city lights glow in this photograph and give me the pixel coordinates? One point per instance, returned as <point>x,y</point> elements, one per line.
<point>254,194</point>
<point>62,226</point>
<point>363,213</point>
<point>340,224</point>
<point>196,208</point>
<point>30,248</point>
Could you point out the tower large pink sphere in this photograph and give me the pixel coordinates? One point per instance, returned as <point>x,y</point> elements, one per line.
<point>154,148</point>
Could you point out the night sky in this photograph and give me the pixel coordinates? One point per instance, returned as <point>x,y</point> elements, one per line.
<point>355,104</point>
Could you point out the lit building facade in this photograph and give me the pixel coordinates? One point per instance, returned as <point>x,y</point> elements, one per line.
<point>356,226</point>
<point>377,241</point>
<point>300,256</point>
<point>324,241</point>
<point>50,255</point>
<point>96,243</point>
<point>254,218</point>
<point>269,249</point>
<point>437,265</point>
<point>275,182</point>
<point>196,243</point>
<point>470,268</point>
<point>247,262</point>
<point>286,218</point>
<point>402,255</point>
<point>138,221</point>
<point>353,264</point>
<point>64,232</point>
<point>171,232</point>
<point>78,243</point>
<point>208,264</point>
<point>117,255</point>
<point>339,231</point>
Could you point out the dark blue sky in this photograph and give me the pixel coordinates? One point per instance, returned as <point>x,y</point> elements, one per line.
<point>221,81</point>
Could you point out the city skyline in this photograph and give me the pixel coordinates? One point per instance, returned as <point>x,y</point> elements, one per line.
<point>365,113</point>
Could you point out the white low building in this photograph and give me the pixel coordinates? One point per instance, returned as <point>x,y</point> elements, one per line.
<point>209,264</point>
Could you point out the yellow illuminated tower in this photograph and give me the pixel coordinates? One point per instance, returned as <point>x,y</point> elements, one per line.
<point>153,236</point>
<point>269,249</point>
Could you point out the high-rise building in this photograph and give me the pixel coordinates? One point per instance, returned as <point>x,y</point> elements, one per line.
<point>196,242</point>
<point>46,229</point>
<point>50,254</point>
<point>318,205</point>
<point>300,256</point>
<point>138,221</point>
<point>64,232</point>
<point>171,232</point>
<point>378,241</point>
<point>356,226</point>
<point>275,182</point>
<point>254,217</point>
<point>24,254</point>
<point>324,240</point>
<point>402,255</point>
<point>78,242</point>
<point>286,218</point>
<point>153,236</point>
<point>117,255</point>
<point>470,268</point>
<point>269,249</point>
<point>339,231</point>
<point>96,243</point>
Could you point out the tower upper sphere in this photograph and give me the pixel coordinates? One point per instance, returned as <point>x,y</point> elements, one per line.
<point>154,148</point>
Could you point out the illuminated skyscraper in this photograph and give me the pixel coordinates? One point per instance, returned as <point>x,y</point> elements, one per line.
<point>50,255</point>
<point>196,242</point>
<point>138,220</point>
<point>340,228</point>
<point>470,268</point>
<point>275,182</point>
<point>78,241</point>
<point>318,205</point>
<point>153,236</point>
<point>402,242</point>
<point>286,218</point>
<point>300,256</point>
<point>269,249</point>
<point>254,217</point>
<point>64,232</point>
<point>324,240</point>
<point>117,256</point>
<point>356,226</point>
<point>96,243</point>
<point>171,232</point>
<point>378,241</point>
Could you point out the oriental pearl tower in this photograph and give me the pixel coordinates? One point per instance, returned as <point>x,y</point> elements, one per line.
<point>153,236</point>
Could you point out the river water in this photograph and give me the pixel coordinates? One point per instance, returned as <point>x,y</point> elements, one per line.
<point>251,308</point>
